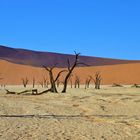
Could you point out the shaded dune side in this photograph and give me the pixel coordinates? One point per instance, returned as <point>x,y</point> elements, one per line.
<point>122,73</point>
<point>36,58</point>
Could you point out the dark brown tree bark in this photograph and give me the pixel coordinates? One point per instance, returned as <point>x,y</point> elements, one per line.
<point>52,79</point>
<point>33,82</point>
<point>25,81</point>
<point>70,70</point>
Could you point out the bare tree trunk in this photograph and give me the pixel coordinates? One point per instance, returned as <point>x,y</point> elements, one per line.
<point>97,80</point>
<point>66,82</point>
<point>77,81</point>
<point>70,70</point>
<point>52,80</point>
<point>33,82</point>
<point>86,84</point>
<point>88,81</point>
<point>25,81</point>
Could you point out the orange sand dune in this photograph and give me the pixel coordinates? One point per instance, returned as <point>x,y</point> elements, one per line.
<point>123,73</point>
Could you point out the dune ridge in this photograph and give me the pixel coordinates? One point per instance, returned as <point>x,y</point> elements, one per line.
<point>36,58</point>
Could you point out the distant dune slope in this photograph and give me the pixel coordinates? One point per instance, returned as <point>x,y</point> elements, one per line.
<point>122,73</point>
<point>34,58</point>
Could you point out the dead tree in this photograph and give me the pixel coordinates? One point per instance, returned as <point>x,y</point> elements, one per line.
<point>45,82</point>
<point>77,81</point>
<point>25,81</point>
<point>87,82</point>
<point>41,83</point>
<point>70,70</point>
<point>34,92</point>
<point>97,80</point>
<point>52,79</point>
<point>9,92</point>
<point>33,82</point>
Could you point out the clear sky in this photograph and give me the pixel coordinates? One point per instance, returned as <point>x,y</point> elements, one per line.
<point>106,28</point>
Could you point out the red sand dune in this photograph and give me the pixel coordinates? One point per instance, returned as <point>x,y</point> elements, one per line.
<point>122,73</point>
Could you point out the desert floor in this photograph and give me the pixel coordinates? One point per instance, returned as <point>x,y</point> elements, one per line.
<point>111,113</point>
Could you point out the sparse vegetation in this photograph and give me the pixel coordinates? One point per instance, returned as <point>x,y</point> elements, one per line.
<point>44,82</point>
<point>97,80</point>
<point>25,81</point>
<point>77,82</point>
<point>87,82</point>
<point>33,82</point>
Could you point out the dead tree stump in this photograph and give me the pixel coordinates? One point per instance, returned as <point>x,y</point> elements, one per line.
<point>34,91</point>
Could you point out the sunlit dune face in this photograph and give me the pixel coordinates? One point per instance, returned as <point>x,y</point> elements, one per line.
<point>124,73</point>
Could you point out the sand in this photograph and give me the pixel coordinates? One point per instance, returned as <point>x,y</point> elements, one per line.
<point>111,113</point>
<point>122,74</point>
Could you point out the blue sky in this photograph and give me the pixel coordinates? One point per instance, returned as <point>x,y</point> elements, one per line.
<point>106,28</point>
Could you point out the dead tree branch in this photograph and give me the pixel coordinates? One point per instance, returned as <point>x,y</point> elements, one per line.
<point>34,82</point>
<point>70,70</point>
<point>87,82</point>
<point>25,81</point>
<point>52,79</point>
<point>97,80</point>
<point>77,81</point>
